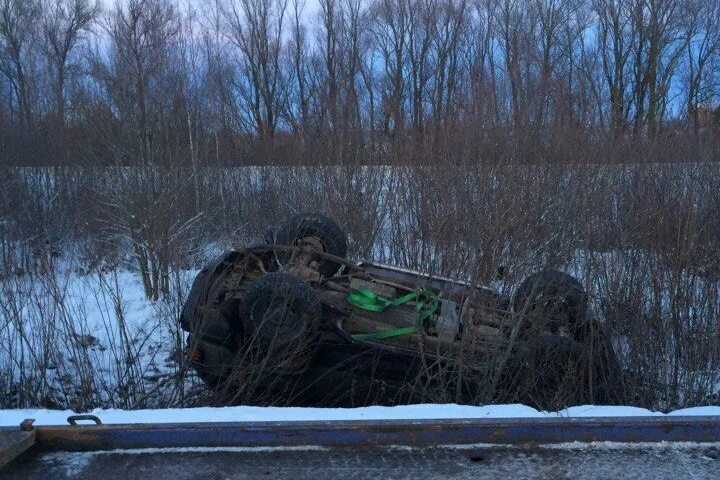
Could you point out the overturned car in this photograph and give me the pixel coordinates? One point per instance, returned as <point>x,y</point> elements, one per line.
<point>294,322</point>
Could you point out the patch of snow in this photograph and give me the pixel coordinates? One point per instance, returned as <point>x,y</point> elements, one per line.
<point>579,446</point>
<point>150,451</point>
<point>296,414</point>
<point>103,320</point>
<point>607,411</point>
<point>74,462</point>
<point>692,411</point>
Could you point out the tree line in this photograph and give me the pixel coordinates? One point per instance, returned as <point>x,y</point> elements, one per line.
<point>182,82</point>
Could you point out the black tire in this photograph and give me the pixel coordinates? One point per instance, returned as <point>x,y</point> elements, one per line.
<point>320,227</point>
<point>281,313</point>
<point>556,372</point>
<point>550,372</point>
<point>550,300</point>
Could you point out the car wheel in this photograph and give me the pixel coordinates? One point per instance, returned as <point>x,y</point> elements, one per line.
<point>280,315</point>
<point>552,302</point>
<point>318,231</point>
<point>554,372</point>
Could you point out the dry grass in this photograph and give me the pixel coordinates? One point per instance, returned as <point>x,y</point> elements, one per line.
<point>642,238</point>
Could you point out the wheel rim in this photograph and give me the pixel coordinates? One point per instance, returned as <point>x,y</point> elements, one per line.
<point>311,241</point>
<point>276,322</point>
<point>550,313</point>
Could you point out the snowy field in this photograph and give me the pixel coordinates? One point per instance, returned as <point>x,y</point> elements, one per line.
<point>90,339</point>
<point>292,414</point>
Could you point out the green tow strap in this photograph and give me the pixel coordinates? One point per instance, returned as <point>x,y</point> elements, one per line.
<point>426,305</point>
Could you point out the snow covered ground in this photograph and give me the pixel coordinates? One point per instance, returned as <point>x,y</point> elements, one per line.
<point>406,412</point>
<point>84,340</point>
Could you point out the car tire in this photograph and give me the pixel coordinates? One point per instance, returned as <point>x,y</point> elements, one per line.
<point>281,315</point>
<point>549,300</point>
<point>541,365</point>
<point>314,225</point>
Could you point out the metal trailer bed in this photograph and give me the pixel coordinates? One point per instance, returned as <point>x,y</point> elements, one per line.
<point>390,448</point>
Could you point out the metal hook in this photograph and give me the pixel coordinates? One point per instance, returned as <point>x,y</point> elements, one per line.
<point>73,419</point>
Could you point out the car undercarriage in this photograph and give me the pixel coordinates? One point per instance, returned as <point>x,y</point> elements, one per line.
<point>297,323</point>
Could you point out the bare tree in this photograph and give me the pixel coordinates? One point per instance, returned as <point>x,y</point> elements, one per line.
<point>577,96</point>
<point>18,34</point>
<point>137,74</point>
<point>390,38</point>
<point>666,43</point>
<point>354,51</point>
<point>422,15</point>
<point>701,23</point>
<point>64,22</point>
<point>299,47</point>
<point>482,63</point>
<point>512,27</point>
<point>451,22</point>
<point>329,40</point>
<point>658,44</point>
<point>256,29</point>
<point>615,43</point>
<point>173,82</point>
<point>551,16</point>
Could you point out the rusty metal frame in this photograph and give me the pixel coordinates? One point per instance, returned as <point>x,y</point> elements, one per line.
<point>14,442</point>
<point>379,432</point>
